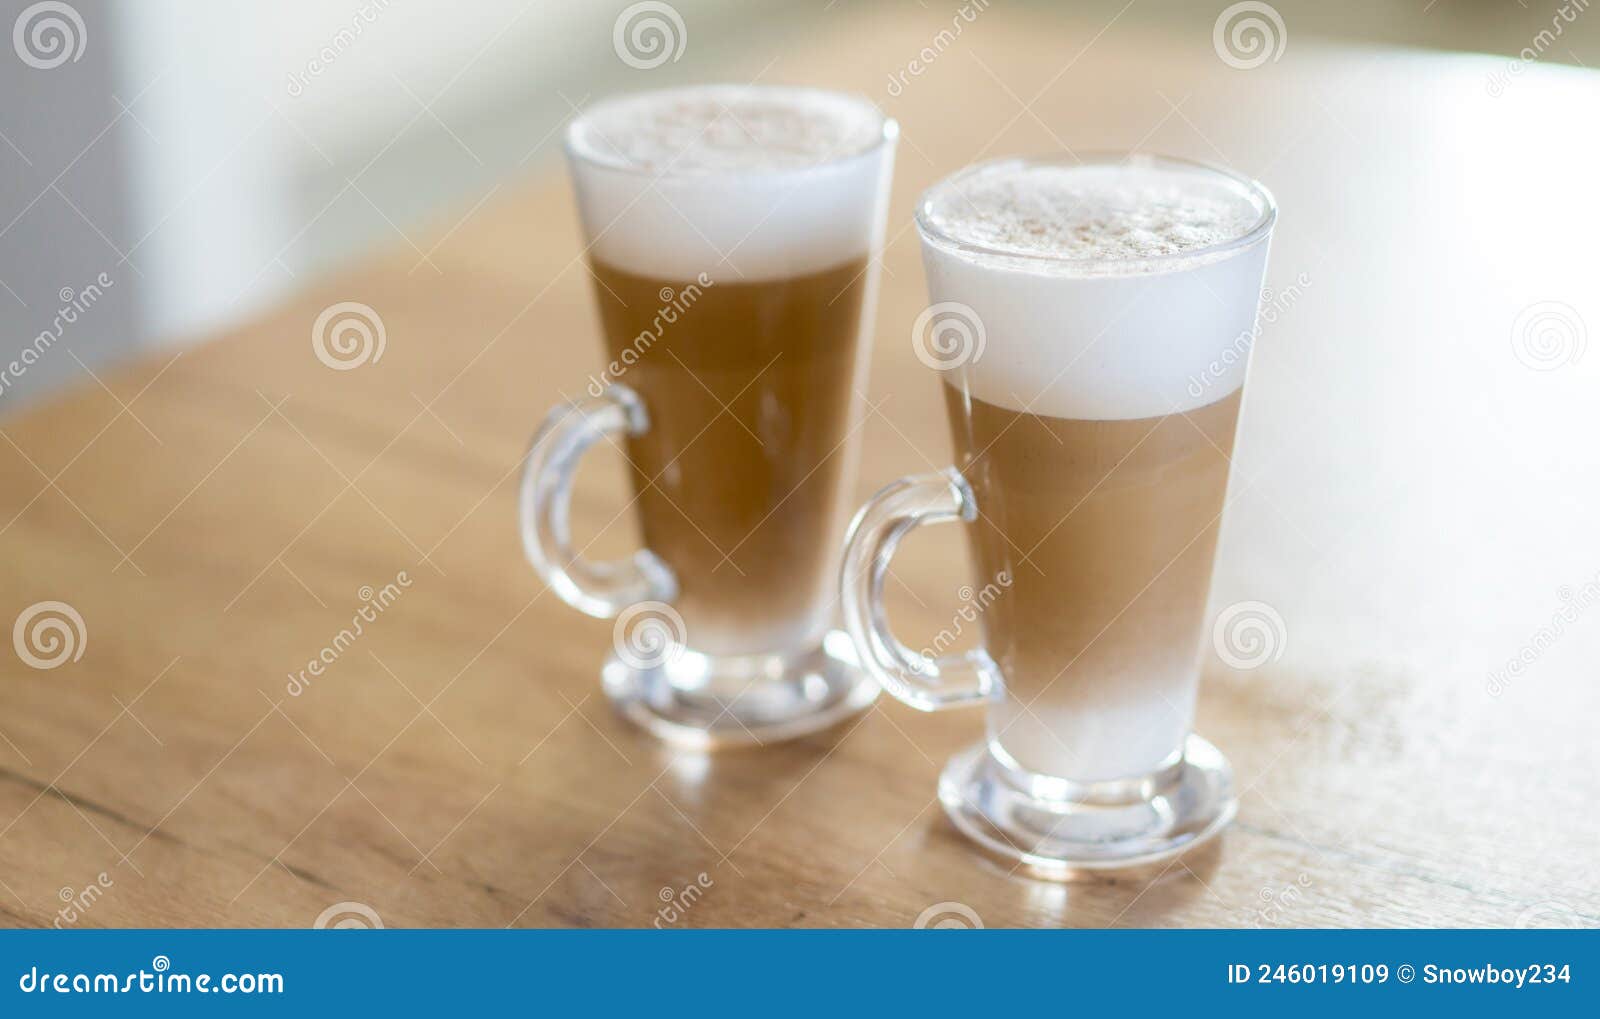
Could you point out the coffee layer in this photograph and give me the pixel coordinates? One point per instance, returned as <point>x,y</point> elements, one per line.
<point>1107,530</point>
<point>750,393</point>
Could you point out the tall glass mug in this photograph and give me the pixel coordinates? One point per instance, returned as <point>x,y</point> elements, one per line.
<point>1090,325</point>
<point>732,232</point>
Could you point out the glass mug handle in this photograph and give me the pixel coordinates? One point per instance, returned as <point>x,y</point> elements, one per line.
<point>927,684</point>
<point>596,589</point>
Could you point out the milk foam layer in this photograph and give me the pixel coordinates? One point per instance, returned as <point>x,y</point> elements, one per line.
<point>721,128</point>
<point>1103,292</point>
<point>739,182</point>
<point>1092,213</point>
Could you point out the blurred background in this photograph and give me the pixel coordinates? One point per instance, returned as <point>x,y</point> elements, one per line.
<point>1414,496</point>
<point>169,168</point>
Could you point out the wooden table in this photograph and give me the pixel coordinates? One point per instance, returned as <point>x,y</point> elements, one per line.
<point>1414,494</point>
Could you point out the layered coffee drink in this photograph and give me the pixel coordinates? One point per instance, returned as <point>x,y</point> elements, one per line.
<point>751,397</point>
<point>731,229</point>
<point>1094,424</point>
<point>1091,322</point>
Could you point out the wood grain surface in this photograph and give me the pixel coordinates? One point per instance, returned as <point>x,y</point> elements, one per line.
<point>1414,495</point>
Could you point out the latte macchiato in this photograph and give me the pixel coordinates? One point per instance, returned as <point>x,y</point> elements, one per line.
<point>767,196</point>
<point>1099,476</point>
<point>1082,319</point>
<point>732,239</point>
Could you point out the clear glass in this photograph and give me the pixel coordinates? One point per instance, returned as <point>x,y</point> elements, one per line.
<point>734,307</point>
<point>1092,405</point>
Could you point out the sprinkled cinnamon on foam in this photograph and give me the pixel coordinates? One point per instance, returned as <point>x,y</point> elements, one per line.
<point>1099,212</point>
<point>741,182</point>
<point>729,128</point>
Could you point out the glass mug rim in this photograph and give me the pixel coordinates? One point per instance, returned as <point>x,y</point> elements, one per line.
<point>580,148</point>
<point>1099,265</point>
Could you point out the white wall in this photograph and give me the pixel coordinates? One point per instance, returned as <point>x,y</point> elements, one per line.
<point>239,148</point>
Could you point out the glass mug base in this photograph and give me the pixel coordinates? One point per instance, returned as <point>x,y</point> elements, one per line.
<point>1103,826</point>
<point>704,702</point>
